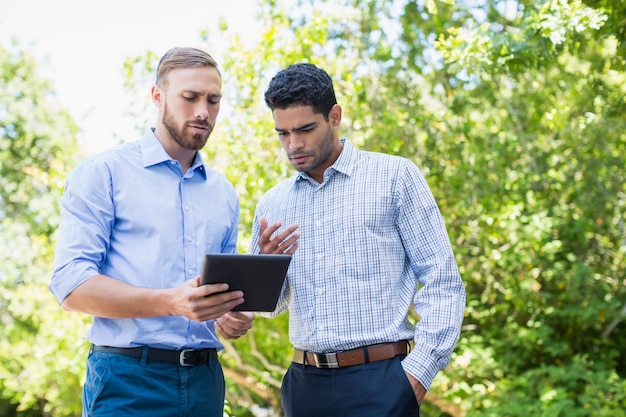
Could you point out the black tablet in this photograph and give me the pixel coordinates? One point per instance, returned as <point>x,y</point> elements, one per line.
<point>260,277</point>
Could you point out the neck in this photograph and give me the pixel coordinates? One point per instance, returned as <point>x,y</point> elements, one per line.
<point>183,155</point>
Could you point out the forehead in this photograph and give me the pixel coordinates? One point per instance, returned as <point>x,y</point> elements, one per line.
<point>204,79</point>
<point>295,117</point>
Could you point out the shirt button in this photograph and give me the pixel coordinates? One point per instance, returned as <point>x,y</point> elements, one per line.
<point>190,271</point>
<point>318,257</point>
<point>186,208</point>
<point>317,223</point>
<point>193,337</point>
<point>189,238</point>
<point>319,291</point>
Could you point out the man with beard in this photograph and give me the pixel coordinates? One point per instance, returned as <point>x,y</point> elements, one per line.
<point>372,243</point>
<point>137,221</point>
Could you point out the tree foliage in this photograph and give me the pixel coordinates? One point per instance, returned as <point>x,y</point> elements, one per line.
<point>39,369</point>
<point>514,110</point>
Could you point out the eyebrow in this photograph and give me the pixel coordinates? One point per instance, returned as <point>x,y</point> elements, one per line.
<point>199,93</point>
<point>299,128</point>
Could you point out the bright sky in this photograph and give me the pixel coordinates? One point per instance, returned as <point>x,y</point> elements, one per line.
<point>82,45</point>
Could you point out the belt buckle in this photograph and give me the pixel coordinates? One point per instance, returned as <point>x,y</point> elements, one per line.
<point>182,356</point>
<point>326,360</point>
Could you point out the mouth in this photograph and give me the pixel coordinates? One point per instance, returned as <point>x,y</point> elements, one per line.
<point>298,159</point>
<point>199,129</point>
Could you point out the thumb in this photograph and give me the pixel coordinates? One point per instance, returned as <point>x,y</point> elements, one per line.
<point>193,282</point>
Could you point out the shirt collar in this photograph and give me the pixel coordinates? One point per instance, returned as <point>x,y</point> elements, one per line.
<point>153,153</point>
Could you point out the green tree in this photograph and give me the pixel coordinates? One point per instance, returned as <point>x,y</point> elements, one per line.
<point>514,110</point>
<point>38,362</point>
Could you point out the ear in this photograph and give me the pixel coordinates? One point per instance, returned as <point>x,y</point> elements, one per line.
<point>157,95</point>
<point>334,116</point>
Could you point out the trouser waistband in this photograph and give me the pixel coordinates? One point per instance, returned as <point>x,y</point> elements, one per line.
<point>358,356</point>
<point>184,357</point>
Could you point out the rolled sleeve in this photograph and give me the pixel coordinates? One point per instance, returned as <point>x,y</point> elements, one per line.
<point>83,237</point>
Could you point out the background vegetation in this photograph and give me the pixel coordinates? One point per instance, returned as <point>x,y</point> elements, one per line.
<point>515,111</point>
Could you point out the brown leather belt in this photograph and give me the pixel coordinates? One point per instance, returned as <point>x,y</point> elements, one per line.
<point>358,356</point>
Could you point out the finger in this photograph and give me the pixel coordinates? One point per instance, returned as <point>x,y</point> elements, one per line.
<point>193,282</point>
<point>281,242</point>
<point>262,225</point>
<point>239,322</point>
<point>243,316</point>
<point>289,231</point>
<point>223,329</point>
<point>227,335</point>
<point>269,231</point>
<point>286,243</point>
<point>291,249</point>
<point>209,289</point>
<point>214,308</point>
<point>229,327</point>
<point>217,298</point>
<point>221,326</point>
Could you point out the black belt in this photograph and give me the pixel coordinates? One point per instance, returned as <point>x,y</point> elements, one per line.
<point>358,356</point>
<point>185,357</point>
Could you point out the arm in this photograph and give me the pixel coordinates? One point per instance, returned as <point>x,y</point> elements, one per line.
<point>90,211</point>
<point>440,301</point>
<point>103,296</point>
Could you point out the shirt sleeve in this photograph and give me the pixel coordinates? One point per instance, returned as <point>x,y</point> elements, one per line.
<point>87,214</point>
<point>440,300</point>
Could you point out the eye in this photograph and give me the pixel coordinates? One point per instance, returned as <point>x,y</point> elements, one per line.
<point>214,99</point>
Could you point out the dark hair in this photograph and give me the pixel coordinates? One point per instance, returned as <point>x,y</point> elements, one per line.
<point>182,57</point>
<point>301,85</point>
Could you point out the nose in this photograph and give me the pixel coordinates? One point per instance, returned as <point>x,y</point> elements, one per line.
<point>201,111</point>
<point>295,142</point>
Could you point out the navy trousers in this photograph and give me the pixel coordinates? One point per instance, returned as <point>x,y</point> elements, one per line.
<point>376,389</point>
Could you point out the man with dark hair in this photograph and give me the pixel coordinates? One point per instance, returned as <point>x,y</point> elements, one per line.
<point>137,221</point>
<point>372,243</point>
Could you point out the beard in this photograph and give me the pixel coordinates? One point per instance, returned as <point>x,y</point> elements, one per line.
<point>191,141</point>
<point>321,155</point>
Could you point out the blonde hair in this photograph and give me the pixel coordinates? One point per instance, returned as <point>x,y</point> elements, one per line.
<point>183,57</point>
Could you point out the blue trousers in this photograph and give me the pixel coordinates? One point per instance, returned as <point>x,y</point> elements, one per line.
<point>376,389</point>
<point>118,385</point>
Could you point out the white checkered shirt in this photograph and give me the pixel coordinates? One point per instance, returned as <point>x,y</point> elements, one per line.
<point>371,235</point>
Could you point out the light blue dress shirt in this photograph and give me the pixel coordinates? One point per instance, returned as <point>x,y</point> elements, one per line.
<point>370,234</point>
<point>132,214</point>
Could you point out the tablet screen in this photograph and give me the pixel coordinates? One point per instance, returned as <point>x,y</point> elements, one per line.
<point>259,276</point>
